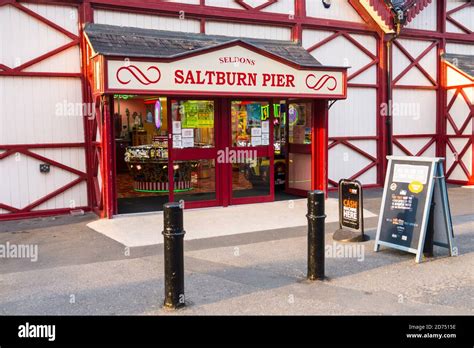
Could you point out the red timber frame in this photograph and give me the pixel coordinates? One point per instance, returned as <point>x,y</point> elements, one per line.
<point>459,131</point>
<point>26,149</point>
<point>441,37</point>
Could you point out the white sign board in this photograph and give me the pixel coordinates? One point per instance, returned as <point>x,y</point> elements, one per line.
<point>234,70</point>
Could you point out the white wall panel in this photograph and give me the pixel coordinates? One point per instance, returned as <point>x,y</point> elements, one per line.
<point>345,162</point>
<point>248,30</point>
<point>312,37</point>
<point>355,116</point>
<point>459,112</point>
<point>458,48</point>
<point>73,198</point>
<point>21,177</point>
<point>67,61</point>
<point>458,173</point>
<point>339,10</point>
<point>282,6</point>
<point>414,76</point>
<point>426,19</point>
<point>64,16</point>
<point>341,52</point>
<point>465,17</point>
<point>417,111</point>
<point>31,110</point>
<point>145,21</point>
<point>23,37</point>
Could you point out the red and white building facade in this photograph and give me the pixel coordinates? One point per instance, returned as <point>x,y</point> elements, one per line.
<point>44,65</point>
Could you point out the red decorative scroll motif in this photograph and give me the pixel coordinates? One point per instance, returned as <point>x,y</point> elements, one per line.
<point>323,80</point>
<point>138,75</point>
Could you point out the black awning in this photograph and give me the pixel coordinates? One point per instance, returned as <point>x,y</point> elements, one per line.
<point>463,62</point>
<point>110,40</point>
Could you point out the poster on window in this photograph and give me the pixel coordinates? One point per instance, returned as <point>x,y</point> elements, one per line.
<point>254,115</point>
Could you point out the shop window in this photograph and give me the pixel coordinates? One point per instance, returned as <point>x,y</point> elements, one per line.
<point>299,122</point>
<point>251,178</point>
<point>194,180</point>
<point>250,123</point>
<point>141,139</point>
<point>193,123</point>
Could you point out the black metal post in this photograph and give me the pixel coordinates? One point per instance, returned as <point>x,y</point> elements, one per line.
<point>428,247</point>
<point>316,218</point>
<point>173,234</point>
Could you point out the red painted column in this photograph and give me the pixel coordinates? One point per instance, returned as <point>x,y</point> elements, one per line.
<point>108,158</point>
<point>85,15</point>
<point>319,146</point>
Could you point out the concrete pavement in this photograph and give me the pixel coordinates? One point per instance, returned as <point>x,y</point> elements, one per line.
<point>80,271</point>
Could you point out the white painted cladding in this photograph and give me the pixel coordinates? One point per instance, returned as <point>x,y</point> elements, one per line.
<point>357,115</point>
<point>145,21</point>
<point>416,108</point>
<point>29,112</point>
<point>281,6</point>
<point>339,10</point>
<point>23,37</point>
<point>248,30</point>
<point>464,16</point>
<point>22,183</point>
<point>426,19</point>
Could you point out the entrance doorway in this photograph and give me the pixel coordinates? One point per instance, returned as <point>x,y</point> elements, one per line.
<point>204,152</point>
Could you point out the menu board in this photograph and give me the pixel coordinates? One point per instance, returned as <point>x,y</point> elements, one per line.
<point>409,189</point>
<point>404,203</point>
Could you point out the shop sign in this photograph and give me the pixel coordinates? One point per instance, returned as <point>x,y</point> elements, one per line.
<point>350,204</point>
<point>351,212</point>
<point>412,184</point>
<point>233,70</point>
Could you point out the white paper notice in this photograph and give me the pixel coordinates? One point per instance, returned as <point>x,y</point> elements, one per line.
<point>265,141</point>
<point>266,127</point>
<point>187,133</point>
<point>256,132</point>
<point>188,142</point>
<point>176,127</point>
<point>265,136</point>
<point>256,141</point>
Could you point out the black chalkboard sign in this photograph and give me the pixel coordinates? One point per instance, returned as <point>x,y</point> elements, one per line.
<point>408,193</point>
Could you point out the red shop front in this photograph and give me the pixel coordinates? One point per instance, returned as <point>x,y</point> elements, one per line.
<point>208,120</point>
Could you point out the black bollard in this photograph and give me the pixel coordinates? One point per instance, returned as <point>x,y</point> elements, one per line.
<point>316,245</point>
<point>174,256</point>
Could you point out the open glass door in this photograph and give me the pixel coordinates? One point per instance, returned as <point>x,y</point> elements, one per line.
<point>299,123</point>
<point>193,169</point>
<point>251,151</point>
